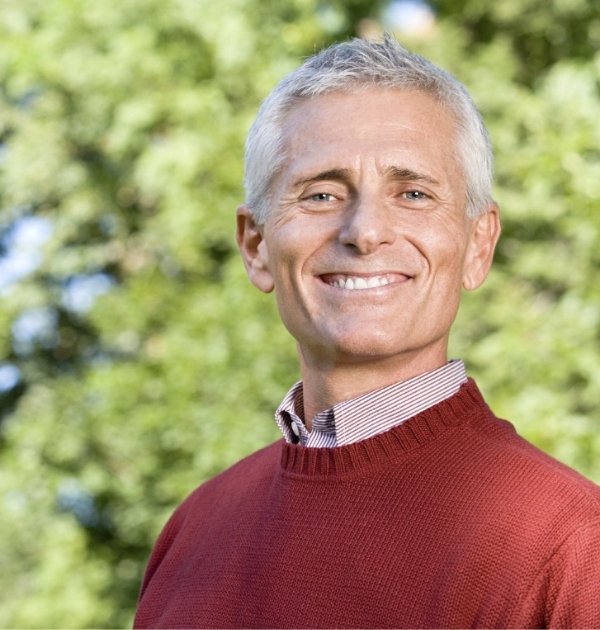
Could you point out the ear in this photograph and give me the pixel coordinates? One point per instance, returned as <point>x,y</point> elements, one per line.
<point>250,239</point>
<point>485,231</point>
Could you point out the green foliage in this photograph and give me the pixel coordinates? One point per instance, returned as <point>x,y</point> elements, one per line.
<point>123,124</point>
<point>541,32</point>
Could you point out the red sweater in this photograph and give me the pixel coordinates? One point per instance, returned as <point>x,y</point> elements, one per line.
<point>450,520</point>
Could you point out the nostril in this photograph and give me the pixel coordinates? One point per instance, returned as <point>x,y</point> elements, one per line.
<point>368,225</point>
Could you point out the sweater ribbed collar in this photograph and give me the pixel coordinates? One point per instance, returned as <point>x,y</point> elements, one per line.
<point>378,450</point>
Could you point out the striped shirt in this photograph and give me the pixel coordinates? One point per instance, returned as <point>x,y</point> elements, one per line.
<point>367,415</point>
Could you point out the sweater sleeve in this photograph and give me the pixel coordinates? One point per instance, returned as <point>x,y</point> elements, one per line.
<point>567,592</point>
<point>576,569</point>
<point>162,546</point>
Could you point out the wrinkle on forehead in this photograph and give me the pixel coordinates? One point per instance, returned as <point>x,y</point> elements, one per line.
<point>344,132</point>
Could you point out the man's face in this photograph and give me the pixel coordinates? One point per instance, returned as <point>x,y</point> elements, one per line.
<point>367,243</point>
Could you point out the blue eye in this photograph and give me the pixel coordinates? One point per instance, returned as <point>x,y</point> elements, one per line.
<point>415,195</point>
<point>322,197</point>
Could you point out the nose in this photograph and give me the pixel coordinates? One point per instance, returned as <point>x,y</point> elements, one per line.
<point>367,225</point>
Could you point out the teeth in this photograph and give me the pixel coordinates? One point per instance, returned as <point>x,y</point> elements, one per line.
<point>360,283</point>
<point>354,283</point>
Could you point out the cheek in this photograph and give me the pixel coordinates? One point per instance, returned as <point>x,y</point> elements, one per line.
<point>286,268</point>
<point>293,246</point>
<point>444,258</point>
<point>448,241</point>
<point>444,253</point>
<point>284,261</point>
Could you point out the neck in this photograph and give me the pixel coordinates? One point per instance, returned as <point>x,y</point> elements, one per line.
<point>326,384</point>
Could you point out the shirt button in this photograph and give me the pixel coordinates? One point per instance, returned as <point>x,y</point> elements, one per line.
<point>295,429</point>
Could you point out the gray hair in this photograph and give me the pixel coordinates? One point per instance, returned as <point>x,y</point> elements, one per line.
<point>351,67</point>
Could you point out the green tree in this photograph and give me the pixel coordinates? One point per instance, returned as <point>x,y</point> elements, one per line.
<point>122,125</point>
<point>540,33</point>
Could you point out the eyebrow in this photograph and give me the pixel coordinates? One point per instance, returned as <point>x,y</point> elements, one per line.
<point>408,175</point>
<point>345,175</point>
<point>336,174</point>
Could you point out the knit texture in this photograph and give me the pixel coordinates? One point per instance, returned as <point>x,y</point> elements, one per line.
<point>450,520</point>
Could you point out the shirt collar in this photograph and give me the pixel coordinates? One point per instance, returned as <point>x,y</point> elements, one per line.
<point>369,414</point>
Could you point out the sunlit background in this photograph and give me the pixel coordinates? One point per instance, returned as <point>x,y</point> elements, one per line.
<point>136,360</point>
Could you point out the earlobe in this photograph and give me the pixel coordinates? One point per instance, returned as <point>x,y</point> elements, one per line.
<point>484,236</point>
<point>250,240</point>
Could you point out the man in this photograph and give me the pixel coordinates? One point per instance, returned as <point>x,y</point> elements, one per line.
<point>397,499</point>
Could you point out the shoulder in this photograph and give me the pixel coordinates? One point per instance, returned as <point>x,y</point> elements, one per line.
<point>214,504</point>
<point>566,587</point>
<point>537,520</point>
<point>238,481</point>
<point>525,481</point>
<point>507,480</point>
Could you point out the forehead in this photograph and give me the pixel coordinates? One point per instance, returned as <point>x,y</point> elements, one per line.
<point>388,127</point>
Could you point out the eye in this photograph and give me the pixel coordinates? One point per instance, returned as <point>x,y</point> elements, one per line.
<point>322,197</point>
<point>414,195</point>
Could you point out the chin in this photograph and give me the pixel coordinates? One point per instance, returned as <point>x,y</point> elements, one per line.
<point>379,343</point>
<point>373,345</point>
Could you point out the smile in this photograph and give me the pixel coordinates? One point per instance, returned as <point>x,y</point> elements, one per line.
<point>359,283</point>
